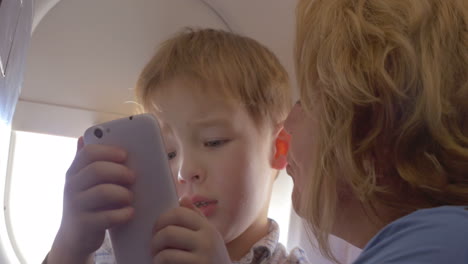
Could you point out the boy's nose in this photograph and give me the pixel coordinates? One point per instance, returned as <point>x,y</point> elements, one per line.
<point>189,173</point>
<point>185,179</point>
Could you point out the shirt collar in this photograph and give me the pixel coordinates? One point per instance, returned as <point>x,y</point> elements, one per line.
<point>264,248</point>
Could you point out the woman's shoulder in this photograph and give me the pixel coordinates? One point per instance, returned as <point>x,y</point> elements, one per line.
<point>444,211</point>
<point>432,219</point>
<point>434,235</point>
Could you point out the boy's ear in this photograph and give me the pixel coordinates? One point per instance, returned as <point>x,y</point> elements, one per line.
<point>281,150</point>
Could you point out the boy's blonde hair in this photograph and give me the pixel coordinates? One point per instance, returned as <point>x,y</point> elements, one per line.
<point>388,82</point>
<point>236,67</point>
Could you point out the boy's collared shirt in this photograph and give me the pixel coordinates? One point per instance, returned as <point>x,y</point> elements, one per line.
<point>266,250</point>
<point>269,250</point>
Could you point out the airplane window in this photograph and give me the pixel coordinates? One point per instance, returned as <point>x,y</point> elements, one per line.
<point>34,197</point>
<point>280,205</point>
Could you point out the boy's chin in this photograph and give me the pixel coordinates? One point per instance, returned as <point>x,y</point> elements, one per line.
<point>228,231</point>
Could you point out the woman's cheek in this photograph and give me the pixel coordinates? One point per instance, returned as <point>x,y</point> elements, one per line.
<point>296,200</point>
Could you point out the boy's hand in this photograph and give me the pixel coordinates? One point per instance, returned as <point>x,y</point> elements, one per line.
<point>96,197</point>
<point>184,235</point>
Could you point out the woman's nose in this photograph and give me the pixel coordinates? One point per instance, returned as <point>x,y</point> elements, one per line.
<point>289,122</point>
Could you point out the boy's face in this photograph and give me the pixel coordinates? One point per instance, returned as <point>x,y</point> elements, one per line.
<point>222,161</point>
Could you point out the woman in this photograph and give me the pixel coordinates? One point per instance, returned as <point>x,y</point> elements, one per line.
<point>379,151</point>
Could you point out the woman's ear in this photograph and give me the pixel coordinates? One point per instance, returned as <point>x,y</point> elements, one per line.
<point>281,150</point>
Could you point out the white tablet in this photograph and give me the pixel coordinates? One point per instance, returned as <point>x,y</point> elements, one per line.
<point>154,189</point>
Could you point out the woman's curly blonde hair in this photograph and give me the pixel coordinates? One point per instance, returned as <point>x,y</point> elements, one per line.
<point>388,82</point>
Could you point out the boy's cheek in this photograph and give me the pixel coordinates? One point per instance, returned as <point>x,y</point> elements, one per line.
<point>174,171</point>
<point>180,191</point>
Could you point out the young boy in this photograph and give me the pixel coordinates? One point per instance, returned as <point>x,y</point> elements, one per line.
<point>221,100</point>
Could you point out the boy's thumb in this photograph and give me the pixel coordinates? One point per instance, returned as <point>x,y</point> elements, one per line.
<point>185,202</point>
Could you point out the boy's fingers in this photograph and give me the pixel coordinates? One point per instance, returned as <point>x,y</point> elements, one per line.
<point>179,216</point>
<point>93,152</point>
<point>107,219</point>
<point>80,144</point>
<point>174,237</point>
<point>185,202</point>
<point>174,256</point>
<point>104,196</point>
<point>101,172</point>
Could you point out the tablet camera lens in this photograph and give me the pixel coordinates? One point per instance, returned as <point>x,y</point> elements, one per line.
<point>98,133</point>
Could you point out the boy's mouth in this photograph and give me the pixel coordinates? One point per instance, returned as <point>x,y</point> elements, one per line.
<point>205,205</point>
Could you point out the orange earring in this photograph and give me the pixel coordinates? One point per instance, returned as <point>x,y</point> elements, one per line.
<point>282,146</point>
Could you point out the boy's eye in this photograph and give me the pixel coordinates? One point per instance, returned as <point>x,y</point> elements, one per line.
<point>171,155</point>
<point>215,143</point>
